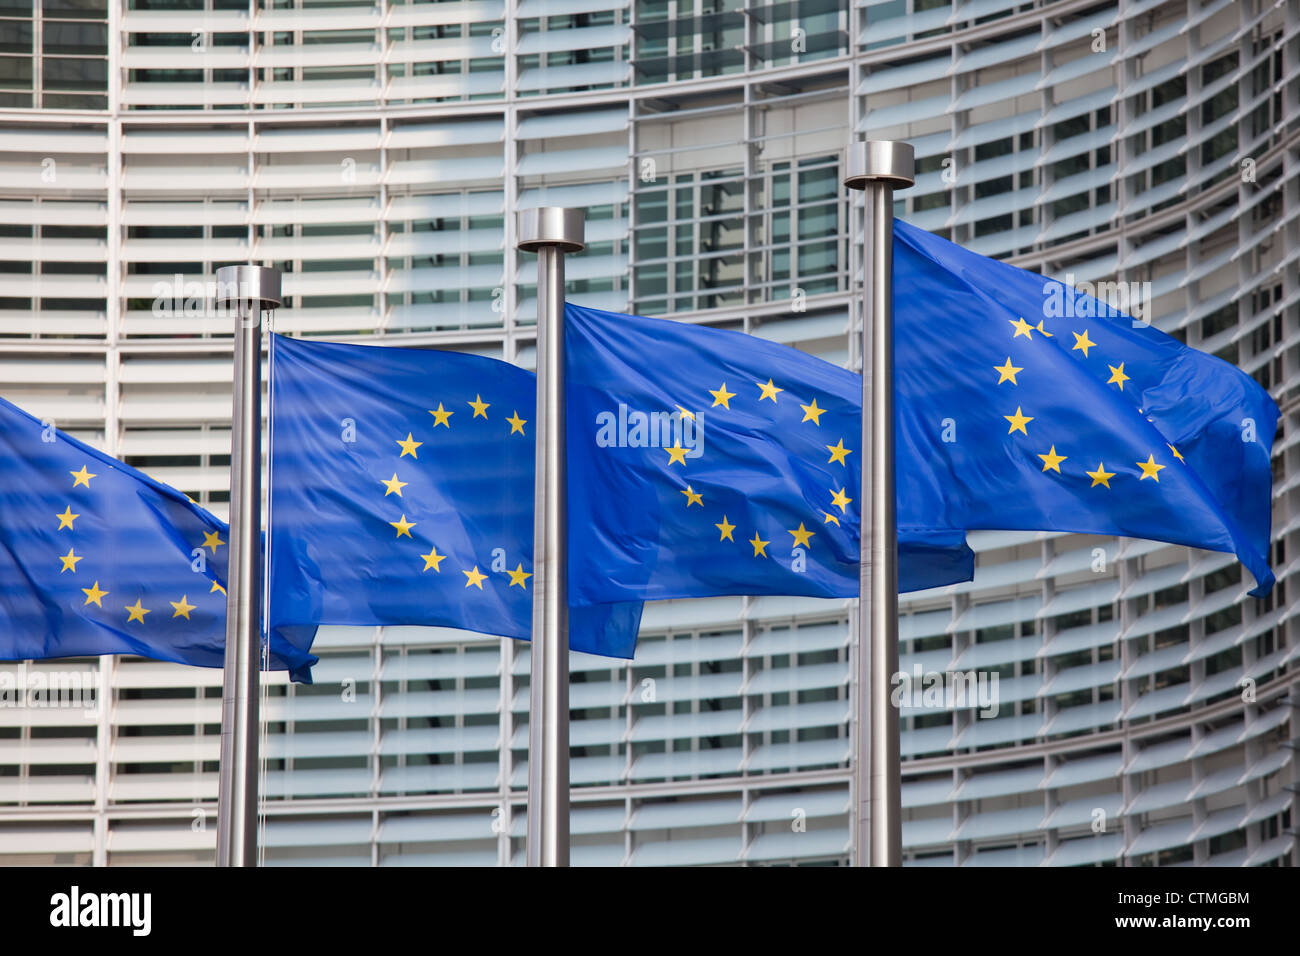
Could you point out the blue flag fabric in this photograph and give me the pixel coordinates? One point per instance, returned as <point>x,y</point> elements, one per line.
<point>706,462</point>
<point>99,558</point>
<point>1066,414</point>
<point>402,493</point>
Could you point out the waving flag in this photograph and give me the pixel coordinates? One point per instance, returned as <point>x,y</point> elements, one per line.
<point>1025,405</point>
<point>704,461</point>
<point>98,558</point>
<point>402,493</point>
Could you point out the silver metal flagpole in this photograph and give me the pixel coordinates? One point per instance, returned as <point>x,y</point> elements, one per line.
<point>878,167</point>
<point>248,291</point>
<point>550,232</point>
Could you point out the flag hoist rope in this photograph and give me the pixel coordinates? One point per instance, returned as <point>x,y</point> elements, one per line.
<point>264,723</point>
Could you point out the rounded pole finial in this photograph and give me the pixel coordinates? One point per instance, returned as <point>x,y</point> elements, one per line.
<point>555,226</point>
<point>249,284</point>
<point>881,160</point>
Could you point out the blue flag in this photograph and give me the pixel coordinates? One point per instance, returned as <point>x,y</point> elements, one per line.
<point>705,462</point>
<point>98,558</point>
<point>1027,405</point>
<point>402,493</point>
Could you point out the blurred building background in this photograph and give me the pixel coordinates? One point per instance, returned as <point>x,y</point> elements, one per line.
<point>375,153</point>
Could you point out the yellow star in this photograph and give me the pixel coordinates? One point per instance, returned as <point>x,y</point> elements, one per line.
<point>480,407</point>
<point>409,446</point>
<point>433,559</point>
<point>726,528</point>
<point>1149,468</point>
<point>769,390</point>
<point>692,497</point>
<point>684,412</point>
<point>1022,328</point>
<point>137,611</point>
<point>94,595</point>
<point>403,527</point>
<point>841,499</point>
<point>811,413</point>
<point>516,423</point>
<point>441,416</point>
<point>70,561</point>
<point>830,518</point>
<point>760,546</point>
<point>1044,331</point>
<point>212,539</point>
<point>519,576</point>
<point>82,477</point>
<point>215,588</point>
<point>1082,343</point>
<point>393,485</point>
<point>1007,373</point>
<point>721,396</point>
<point>183,608</point>
<point>1052,461</point>
<point>1176,454</point>
<point>475,578</point>
<point>802,536</point>
<point>1117,376</point>
<point>66,519</point>
<point>676,455</point>
<point>1018,422</point>
<point>1101,476</point>
<point>838,451</point>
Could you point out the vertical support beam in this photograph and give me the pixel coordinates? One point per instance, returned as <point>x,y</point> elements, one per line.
<point>550,232</point>
<point>113,312</point>
<point>248,292</point>
<point>1128,695</point>
<point>510,352</point>
<point>103,747</point>
<point>878,168</point>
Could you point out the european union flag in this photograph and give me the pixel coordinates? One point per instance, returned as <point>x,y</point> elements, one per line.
<point>1024,404</point>
<point>402,493</point>
<point>704,461</point>
<point>98,558</point>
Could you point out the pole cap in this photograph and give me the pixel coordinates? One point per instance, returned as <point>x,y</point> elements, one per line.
<point>552,226</point>
<point>881,160</point>
<point>250,284</point>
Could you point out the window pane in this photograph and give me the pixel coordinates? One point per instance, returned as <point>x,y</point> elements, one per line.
<point>16,72</point>
<point>61,74</point>
<point>82,38</point>
<point>15,37</point>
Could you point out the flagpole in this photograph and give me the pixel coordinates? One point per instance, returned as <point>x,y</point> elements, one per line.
<point>550,232</point>
<point>878,167</point>
<point>247,291</point>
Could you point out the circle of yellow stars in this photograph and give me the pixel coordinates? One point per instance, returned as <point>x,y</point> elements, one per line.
<point>1018,421</point>
<point>801,537</point>
<point>410,447</point>
<point>81,478</point>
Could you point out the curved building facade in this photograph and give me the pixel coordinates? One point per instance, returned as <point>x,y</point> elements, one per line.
<point>1149,709</point>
